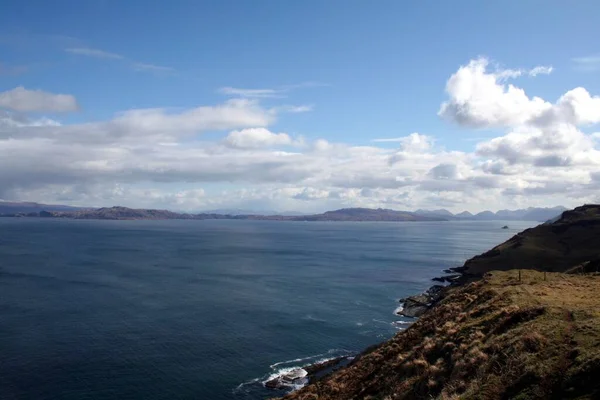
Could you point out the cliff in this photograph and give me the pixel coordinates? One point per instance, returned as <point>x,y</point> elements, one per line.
<point>496,338</point>
<point>497,332</point>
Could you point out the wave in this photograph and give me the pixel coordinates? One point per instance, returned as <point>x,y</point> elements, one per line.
<point>291,373</point>
<point>399,325</point>
<point>398,310</point>
<point>296,360</point>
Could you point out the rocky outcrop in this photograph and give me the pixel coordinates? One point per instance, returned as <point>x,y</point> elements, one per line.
<point>415,306</point>
<point>300,376</point>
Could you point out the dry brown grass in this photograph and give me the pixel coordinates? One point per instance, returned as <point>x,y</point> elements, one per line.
<point>492,339</point>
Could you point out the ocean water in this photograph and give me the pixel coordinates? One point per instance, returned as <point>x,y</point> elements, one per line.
<point>205,309</point>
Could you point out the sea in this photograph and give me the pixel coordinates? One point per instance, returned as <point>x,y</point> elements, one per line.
<point>212,309</point>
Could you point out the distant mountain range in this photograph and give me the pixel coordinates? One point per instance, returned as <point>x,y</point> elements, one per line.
<point>345,214</point>
<point>525,214</point>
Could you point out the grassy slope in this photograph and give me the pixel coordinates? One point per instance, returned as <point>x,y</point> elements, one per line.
<point>573,239</point>
<point>492,339</point>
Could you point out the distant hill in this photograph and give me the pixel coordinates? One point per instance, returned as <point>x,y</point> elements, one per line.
<point>367,214</point>
<point>120,213</point>
<point>7,207</point>
<point>464,215</point>
<point>571,240</point>
<point>441,212</point>
<point>525,214</point>
<point>344,214</point>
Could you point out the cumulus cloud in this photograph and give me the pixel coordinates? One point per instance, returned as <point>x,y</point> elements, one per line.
<point>478,98</point>
<point>21,99</point>
<point>540,135</point>
<point>257,137</point>
<point>412,142</point>
<point>444,171</point>
<point>161,158</point>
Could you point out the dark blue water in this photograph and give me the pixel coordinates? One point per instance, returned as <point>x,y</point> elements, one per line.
<point>202,309</point>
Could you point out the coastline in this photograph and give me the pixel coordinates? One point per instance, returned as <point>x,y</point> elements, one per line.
<point>525,309</point>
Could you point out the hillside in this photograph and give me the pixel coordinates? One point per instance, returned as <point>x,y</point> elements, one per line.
<point>573,239</point>
<point>496,338</point>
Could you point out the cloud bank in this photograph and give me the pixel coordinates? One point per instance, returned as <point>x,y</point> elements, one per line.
<point>163,158</point>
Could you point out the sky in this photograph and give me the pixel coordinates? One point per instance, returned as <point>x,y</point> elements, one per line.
<point>300,106</point>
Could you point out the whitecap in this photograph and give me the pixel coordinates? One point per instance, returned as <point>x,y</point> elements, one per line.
<point>398,310</point>
<point>295,375</point>
<point>297,360</point>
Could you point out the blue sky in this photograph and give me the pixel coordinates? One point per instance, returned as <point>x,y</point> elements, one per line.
<point>344,72</point>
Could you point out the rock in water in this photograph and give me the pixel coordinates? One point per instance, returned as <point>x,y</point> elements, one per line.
<point>295,377</point>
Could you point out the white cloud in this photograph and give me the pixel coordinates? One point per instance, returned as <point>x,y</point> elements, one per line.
<point>294,109</point>
<point>24,100</point>
<point>444,171</point>
<point>413,142</point>
<point>256,137</point>
<point>479,99</point>
<point>541,70</point>
<point>277,92</point>
<point>159,157</point>
<point>85,51</point>
<point>540,134</point>
<point>229,115</point>
<point>416,142</point>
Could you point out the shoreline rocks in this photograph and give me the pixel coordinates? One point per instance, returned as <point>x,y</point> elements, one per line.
<point>415,306</point>
<point>301,376</point>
